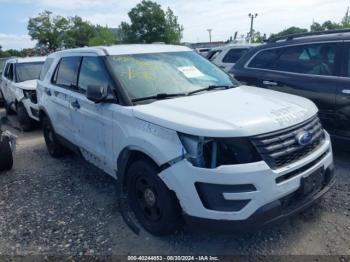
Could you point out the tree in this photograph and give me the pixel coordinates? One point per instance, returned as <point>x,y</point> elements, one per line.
<point>289,31</point>
<point>48,30</point>
<point>149,23</point>
<point>173,30</point>
<point>103,36</point>
<point>79,33</point>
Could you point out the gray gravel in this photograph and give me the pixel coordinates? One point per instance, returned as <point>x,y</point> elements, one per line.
<point>68,207</point>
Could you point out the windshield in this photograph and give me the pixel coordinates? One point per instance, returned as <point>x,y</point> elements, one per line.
<point>144,75</point>
<point>28,71</point>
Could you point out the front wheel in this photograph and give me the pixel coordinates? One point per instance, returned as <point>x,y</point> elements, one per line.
<point>24,119</point>
<point>154,205</point>
<point>6,159</point>
<point>55,148</point>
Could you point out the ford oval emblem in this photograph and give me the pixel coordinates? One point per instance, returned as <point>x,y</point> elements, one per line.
<point>304,138</point>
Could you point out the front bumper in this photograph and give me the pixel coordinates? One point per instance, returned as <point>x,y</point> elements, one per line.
<point>268,215</point>
<point>32,109</point>
<point>254,183</point>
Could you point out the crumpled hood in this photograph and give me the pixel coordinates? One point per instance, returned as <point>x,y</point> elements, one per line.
<point>236,112</point>
<point>27,85</point>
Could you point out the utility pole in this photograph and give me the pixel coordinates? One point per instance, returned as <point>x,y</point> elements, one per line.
<point>209,31</point>
<point>252,17</point>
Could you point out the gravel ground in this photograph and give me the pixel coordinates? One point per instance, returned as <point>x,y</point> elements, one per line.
<point>68,207</point>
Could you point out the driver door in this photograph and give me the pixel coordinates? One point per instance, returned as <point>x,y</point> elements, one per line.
<point>93,121</point>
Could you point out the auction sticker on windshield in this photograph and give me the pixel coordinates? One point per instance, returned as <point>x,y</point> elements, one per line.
<point>190,71</point>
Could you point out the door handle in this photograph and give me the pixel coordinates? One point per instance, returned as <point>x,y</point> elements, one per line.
<point>346,91</point>
<point>75,104</point>
<point>269,83</point>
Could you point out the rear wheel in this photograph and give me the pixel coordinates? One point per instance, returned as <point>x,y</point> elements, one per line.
<point>6,159</point>
<point>55,148</point>
<point>154,205</point>
<point>24,119</point>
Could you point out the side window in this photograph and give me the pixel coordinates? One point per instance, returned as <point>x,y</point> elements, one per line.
<point>10,72</point>
<point>45,68</point>
<point>67,72</point>
<point>314,59</point>
<point>234,55</point>
<point>265,59</point>
<point>213,54</point>
<point>92,72</point>
<point>7,66</point>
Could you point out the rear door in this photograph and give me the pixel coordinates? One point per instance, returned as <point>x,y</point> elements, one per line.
<point>308,70</point>
<point>60,93</point>
<point>343,95</point>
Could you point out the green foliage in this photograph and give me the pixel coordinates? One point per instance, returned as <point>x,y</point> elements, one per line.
<point>48,30</point>
<point>79,33</point>
<point>103,36</point>
<point>289,31</point>
<point>55,32</point>
<point>149,23</point>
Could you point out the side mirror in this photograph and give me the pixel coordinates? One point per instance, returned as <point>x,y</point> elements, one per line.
<point>96,93</point>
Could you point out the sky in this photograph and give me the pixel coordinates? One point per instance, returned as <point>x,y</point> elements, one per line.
<point>224,17</point>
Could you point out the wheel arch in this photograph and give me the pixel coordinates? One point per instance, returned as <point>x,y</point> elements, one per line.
<point>129,155</point>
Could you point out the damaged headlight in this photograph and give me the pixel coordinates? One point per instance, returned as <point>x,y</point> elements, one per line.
<point>213,152</point>
<point>31,95</point>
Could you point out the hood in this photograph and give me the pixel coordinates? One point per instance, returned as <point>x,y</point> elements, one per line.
<point>237,112</point>
<point>27,85</point>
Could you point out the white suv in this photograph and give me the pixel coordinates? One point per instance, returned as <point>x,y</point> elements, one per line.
<point>184,139</point>
<point>226,56</point>
<point>18,86</point>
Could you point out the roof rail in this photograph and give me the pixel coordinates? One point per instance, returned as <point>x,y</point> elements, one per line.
<point>292,36</point>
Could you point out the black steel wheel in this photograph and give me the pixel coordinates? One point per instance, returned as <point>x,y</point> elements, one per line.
<point>154,205</point>
<point>52,143</point>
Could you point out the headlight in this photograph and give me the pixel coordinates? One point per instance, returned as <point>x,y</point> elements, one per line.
<point>214,152</point>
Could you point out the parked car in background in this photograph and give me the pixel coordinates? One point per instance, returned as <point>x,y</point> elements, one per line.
<point>203,51</point>
<point>312,65</point>
<point>141,114</point>
<point>2,66</point>
<point>18,86</point>
<point>226,56</point>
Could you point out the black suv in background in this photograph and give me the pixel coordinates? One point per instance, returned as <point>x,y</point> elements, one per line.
<point>312,65</point>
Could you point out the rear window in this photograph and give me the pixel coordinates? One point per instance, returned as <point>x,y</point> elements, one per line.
<point>28,71</point>
<point>234,55</point>
<point>67,72</point>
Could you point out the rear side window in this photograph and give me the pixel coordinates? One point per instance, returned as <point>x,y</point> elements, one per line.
<point>67,72</point>
<point>45,68</point>
<point>314,59</point>
<point>265,59</point>
<point>93,73</point>
<point>234,55</point>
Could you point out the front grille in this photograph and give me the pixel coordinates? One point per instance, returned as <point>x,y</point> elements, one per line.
<point>281,148</point>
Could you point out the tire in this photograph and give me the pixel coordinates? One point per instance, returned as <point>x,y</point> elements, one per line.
<point>55,148</point>
<point>7,108</point>
<point>27,124</point>
<point>154,205</point>
<point>6,159</point>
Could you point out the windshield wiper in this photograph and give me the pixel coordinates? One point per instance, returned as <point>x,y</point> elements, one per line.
<point>211,87</point>
<point>159,96</point>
